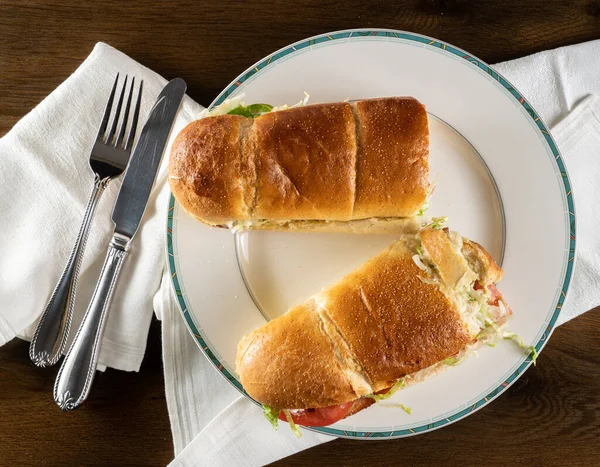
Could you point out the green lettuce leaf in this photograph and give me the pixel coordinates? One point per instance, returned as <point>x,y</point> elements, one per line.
<point>533,354</point>
<point>396,387</point>
<point>272,414</point>
<point>451,361</point>
<point>424,208</point>
<point>438,223</point>
<point>293,426</point>
<point>251,111</point>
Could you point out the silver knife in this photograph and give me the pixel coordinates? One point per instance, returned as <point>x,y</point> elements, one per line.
<point>77,371</point>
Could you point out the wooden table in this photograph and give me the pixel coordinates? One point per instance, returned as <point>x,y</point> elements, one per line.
<point>550,416</point>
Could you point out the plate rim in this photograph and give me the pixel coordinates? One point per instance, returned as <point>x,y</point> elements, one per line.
<point>566,195</point>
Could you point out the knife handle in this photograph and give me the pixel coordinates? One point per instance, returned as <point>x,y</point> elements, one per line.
<point>51,333</point>
<point>77,372</point>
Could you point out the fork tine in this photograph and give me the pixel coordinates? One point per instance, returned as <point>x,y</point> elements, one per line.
<point>113,128</point>
<point>134,121</point>
<point>108,109</point>
<point>119,140</point>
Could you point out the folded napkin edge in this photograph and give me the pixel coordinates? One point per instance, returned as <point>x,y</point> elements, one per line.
<point>7,333</point>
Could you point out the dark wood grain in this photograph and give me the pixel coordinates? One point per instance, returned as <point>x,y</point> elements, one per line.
<point>549,417</point>
<point>124,421</point>
<point>210,42</point>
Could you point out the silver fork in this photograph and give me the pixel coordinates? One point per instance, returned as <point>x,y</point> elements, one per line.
<point>109,158</point>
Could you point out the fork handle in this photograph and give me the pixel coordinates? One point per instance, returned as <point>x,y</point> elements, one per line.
<point>51,334</point>
<point>77,372</point>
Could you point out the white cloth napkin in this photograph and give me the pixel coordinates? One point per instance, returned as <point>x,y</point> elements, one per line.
<point>578,136</point>
<point>45,181</point>
<point>232,430</point>
<point>563,86</point>
<point>44,184</point>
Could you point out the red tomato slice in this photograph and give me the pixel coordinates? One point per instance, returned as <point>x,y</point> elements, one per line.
<point>319,417</point>
<point>495,295</point>
<point>499,314</point>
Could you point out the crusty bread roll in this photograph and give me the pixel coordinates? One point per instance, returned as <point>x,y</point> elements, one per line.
<point>327,164</point>
<point>403,311</point>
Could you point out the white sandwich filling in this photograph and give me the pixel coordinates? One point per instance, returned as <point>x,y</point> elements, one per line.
<point>411,224</point>
<point>471,304</point>
<point>229,104</point>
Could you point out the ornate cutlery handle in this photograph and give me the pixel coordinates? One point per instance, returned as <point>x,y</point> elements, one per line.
<point>52,330</point>
<point>76,374</point>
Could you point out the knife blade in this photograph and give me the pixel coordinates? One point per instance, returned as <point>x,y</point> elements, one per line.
<point>141,171</point>
<point>77,372</point>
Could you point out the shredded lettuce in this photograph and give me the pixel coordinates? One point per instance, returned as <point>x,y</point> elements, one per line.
<point>429,281</point>
<point>223,107</point>
<point>251,111</point>
<point>438,222</point>
<point>272,414</point>
<point>420,251</point>
<point>408,410</point>
<point>421,265</point>
<point>435,223</point>
<point>451,361</point>
<point>396,387</point>
<point>430,191</point>
<point>293,426</point>
<point>531,352</point>
<point>300,103</point>
<point>490,331</point>
<point>237,106</point>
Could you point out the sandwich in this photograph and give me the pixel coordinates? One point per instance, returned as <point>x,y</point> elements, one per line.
<point>420,306</point>
<point>347,166</point>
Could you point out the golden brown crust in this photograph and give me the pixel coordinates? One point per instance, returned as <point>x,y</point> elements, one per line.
<point>378,324</point>
<point>392,165</point>
<point>382,320</point>
<point>394,322</point>
<point>205,169</point>
<point>304,163</point>
<point>360,336</point>
<point>289,363</point>
<point>481,262</point>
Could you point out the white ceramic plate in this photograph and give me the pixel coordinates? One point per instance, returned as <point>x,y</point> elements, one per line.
<point>501,182</point>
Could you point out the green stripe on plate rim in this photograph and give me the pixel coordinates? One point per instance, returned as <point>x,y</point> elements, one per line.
<point>428,42</point>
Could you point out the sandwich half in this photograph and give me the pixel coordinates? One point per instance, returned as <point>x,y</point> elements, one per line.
<point>350,167</point>
<point>419,306</point>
